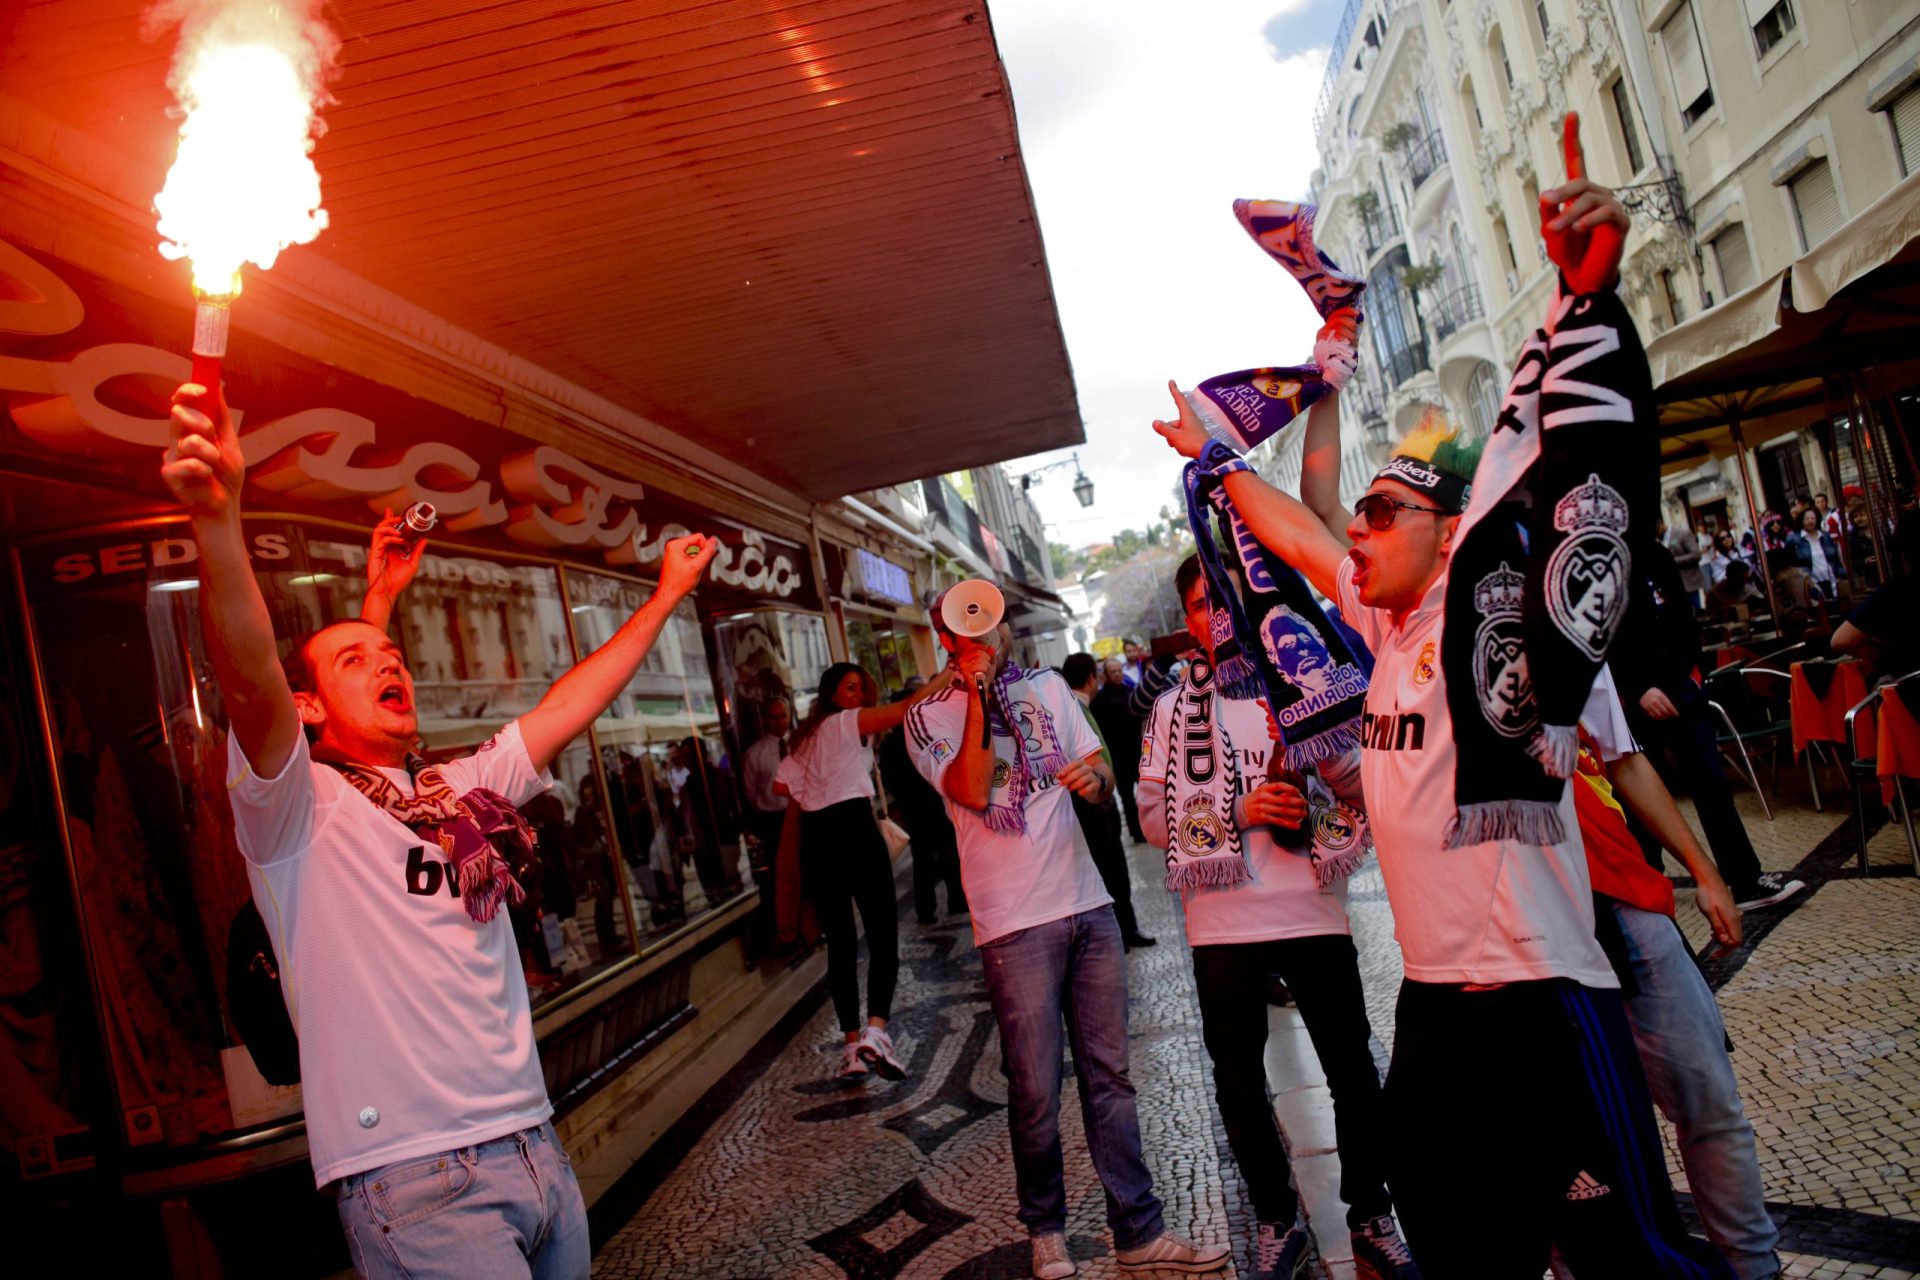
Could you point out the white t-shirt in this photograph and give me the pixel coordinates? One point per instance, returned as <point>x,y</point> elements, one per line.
<point>1605,720</point>
<point>762,762</point>
<point>415,1031</point>
<point>1283,899</point>
<point>834,764</point>
<point>1503,911</point>
<point>1015,880</point>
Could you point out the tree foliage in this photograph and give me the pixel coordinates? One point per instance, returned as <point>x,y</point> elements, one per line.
<point>1140,599</point>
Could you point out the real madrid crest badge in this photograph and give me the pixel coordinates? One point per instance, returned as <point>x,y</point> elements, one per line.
<point>1200,830</point>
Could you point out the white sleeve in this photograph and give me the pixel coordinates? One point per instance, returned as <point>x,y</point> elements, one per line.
<point>933,733</point>
<point>1605,720</point>
<point>788,771</point>
<point>275,818</point>
<point>1150,794</point>
<point>501,765</point>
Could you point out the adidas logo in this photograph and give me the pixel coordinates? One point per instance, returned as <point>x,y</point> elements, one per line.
<point>1587,1187</point>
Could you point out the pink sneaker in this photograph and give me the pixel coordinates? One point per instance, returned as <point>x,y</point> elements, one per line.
<point>876,1048</point>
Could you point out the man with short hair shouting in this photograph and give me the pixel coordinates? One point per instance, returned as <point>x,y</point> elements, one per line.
<point>1520,1116</point>
<point>425,1103</point>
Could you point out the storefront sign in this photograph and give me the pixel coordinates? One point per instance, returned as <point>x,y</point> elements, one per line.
<point>881,577</point>
<point>78,389</point>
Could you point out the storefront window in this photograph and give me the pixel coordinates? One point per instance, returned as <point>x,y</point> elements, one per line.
<point>886,651</point>
<point>674,804</point>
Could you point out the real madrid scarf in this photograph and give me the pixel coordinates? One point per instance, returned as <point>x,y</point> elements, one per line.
<point>1203,778</point>
<point>1271,639</point>
<point>483,836</point>
<point>1203,782</point>
<point>1024,740</point>
<point>1538,582</point>
<point>1249,406</point>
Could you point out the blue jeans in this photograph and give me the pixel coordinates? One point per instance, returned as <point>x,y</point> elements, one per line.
<point>1073,969</point>
<point>1682,1043</point>
<point>509,1207</point>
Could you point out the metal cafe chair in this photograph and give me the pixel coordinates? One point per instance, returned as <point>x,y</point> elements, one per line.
<point>1862,767</point>
<point>1748,718</point>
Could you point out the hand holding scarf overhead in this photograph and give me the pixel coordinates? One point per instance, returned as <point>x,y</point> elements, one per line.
<point>1537,585</point>
<point>1250,406</point>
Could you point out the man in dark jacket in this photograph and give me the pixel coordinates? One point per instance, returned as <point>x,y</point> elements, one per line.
<point>1120,726</point>
<point>1654,664</point>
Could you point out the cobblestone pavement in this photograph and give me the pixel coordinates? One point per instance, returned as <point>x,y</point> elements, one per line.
<point>785,1173</point>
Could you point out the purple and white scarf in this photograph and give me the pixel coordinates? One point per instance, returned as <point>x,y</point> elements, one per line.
<point>1032,744</point>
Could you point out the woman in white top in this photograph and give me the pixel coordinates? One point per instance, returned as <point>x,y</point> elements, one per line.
<point>828,772</point>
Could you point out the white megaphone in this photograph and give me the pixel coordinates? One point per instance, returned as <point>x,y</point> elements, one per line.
<point>972,608</point>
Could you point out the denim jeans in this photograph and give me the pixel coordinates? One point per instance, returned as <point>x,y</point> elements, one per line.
<point>1682,1043</point>
<point>509,1207</point>
<point>1072,970</point>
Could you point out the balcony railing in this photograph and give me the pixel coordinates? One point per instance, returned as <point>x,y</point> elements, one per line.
<point>1424,158</point>
<point>1406,362</point>
<point>1379,227</point>
<point>1456,311</point>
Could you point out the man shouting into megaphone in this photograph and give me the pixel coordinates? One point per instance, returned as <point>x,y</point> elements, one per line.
<point>1005,747</point>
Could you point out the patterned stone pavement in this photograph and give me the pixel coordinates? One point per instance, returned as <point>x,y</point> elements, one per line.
<point>784,1173</point>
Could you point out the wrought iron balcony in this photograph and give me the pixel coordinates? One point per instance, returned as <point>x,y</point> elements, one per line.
<point>1456,311</point>
<point>1405,362</point>
<point>1380,227</point>
<point>1424,158</point>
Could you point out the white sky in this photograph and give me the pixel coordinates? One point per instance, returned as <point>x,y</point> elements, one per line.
<point>1141,121</point>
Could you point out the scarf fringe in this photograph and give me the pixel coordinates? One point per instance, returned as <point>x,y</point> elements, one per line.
<point>485,882</point>
<point>1535,822</point>
<point>1005,819</point>
<point>1239,678</point>
<point>1199,873</point>
<point>1331,871</point>
<point>1337,741</point>
<point>1557,748</point>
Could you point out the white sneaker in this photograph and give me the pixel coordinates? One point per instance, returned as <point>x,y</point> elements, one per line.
<point>1050,1260</point>
<point>876,1048</point>
<point>1768,889</point>
<point>853,1066</point>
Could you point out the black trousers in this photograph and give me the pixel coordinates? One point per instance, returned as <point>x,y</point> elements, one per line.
<point>1324,975</point>
<point>1521,1121</point>
<point>1100,823</point>
<point>766,828</point>
<point>1689,737</point>
<point>843,862</point>
<point>936,860</point>
<point>1125,782</point>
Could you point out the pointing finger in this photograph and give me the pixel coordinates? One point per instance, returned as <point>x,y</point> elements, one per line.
<point>1576,158</point>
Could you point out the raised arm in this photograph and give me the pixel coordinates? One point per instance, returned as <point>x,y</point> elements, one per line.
<point>390,569</point>
<point>1320,466</point>
<point>204,469</point>
<point>587,690</point>
<point>876,720</point>
<point>1283,524</point>
<point>968,780</point>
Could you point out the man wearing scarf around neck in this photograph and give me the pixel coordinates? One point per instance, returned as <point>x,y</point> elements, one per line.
<point>1520,1115</point>
<point>381,881</point>
<point>1204,783</point>
<point>1050,947</point>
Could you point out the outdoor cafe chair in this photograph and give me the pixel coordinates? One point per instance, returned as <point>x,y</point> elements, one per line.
<point>1751,716</point>
<point>1887,750</point>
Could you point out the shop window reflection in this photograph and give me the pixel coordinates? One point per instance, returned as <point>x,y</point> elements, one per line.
<point>675,812</point>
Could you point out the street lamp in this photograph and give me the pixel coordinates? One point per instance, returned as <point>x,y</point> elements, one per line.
<point>1082,486</point>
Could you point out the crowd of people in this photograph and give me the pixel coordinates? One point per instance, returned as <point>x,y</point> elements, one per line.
<point>1507,639</point>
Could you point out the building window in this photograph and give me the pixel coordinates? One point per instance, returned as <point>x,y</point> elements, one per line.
<point>1816,205</point>
<point>1540,12</point>
<point>1473,103</point>
<point>1735,262</point>
<point>1623,118</point>
<point>1771,20</point>
<point>1483,401</point>
<point>1671,296</point>
<point>1681,40</point>
<point>1499,47</point>
<point>1905,115</point>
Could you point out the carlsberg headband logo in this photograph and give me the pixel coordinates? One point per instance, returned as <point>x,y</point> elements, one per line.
<point>1450,490</point>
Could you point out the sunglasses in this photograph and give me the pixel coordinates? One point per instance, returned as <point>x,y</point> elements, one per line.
<point>1381,510</point>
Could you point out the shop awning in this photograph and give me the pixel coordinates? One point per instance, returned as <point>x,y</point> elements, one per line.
<point>798,236</point>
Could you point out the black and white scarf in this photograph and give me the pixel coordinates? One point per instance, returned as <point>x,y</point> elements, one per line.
<point>1271,639</point>
<point>1539,577</point>
<point>1203,783</point>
